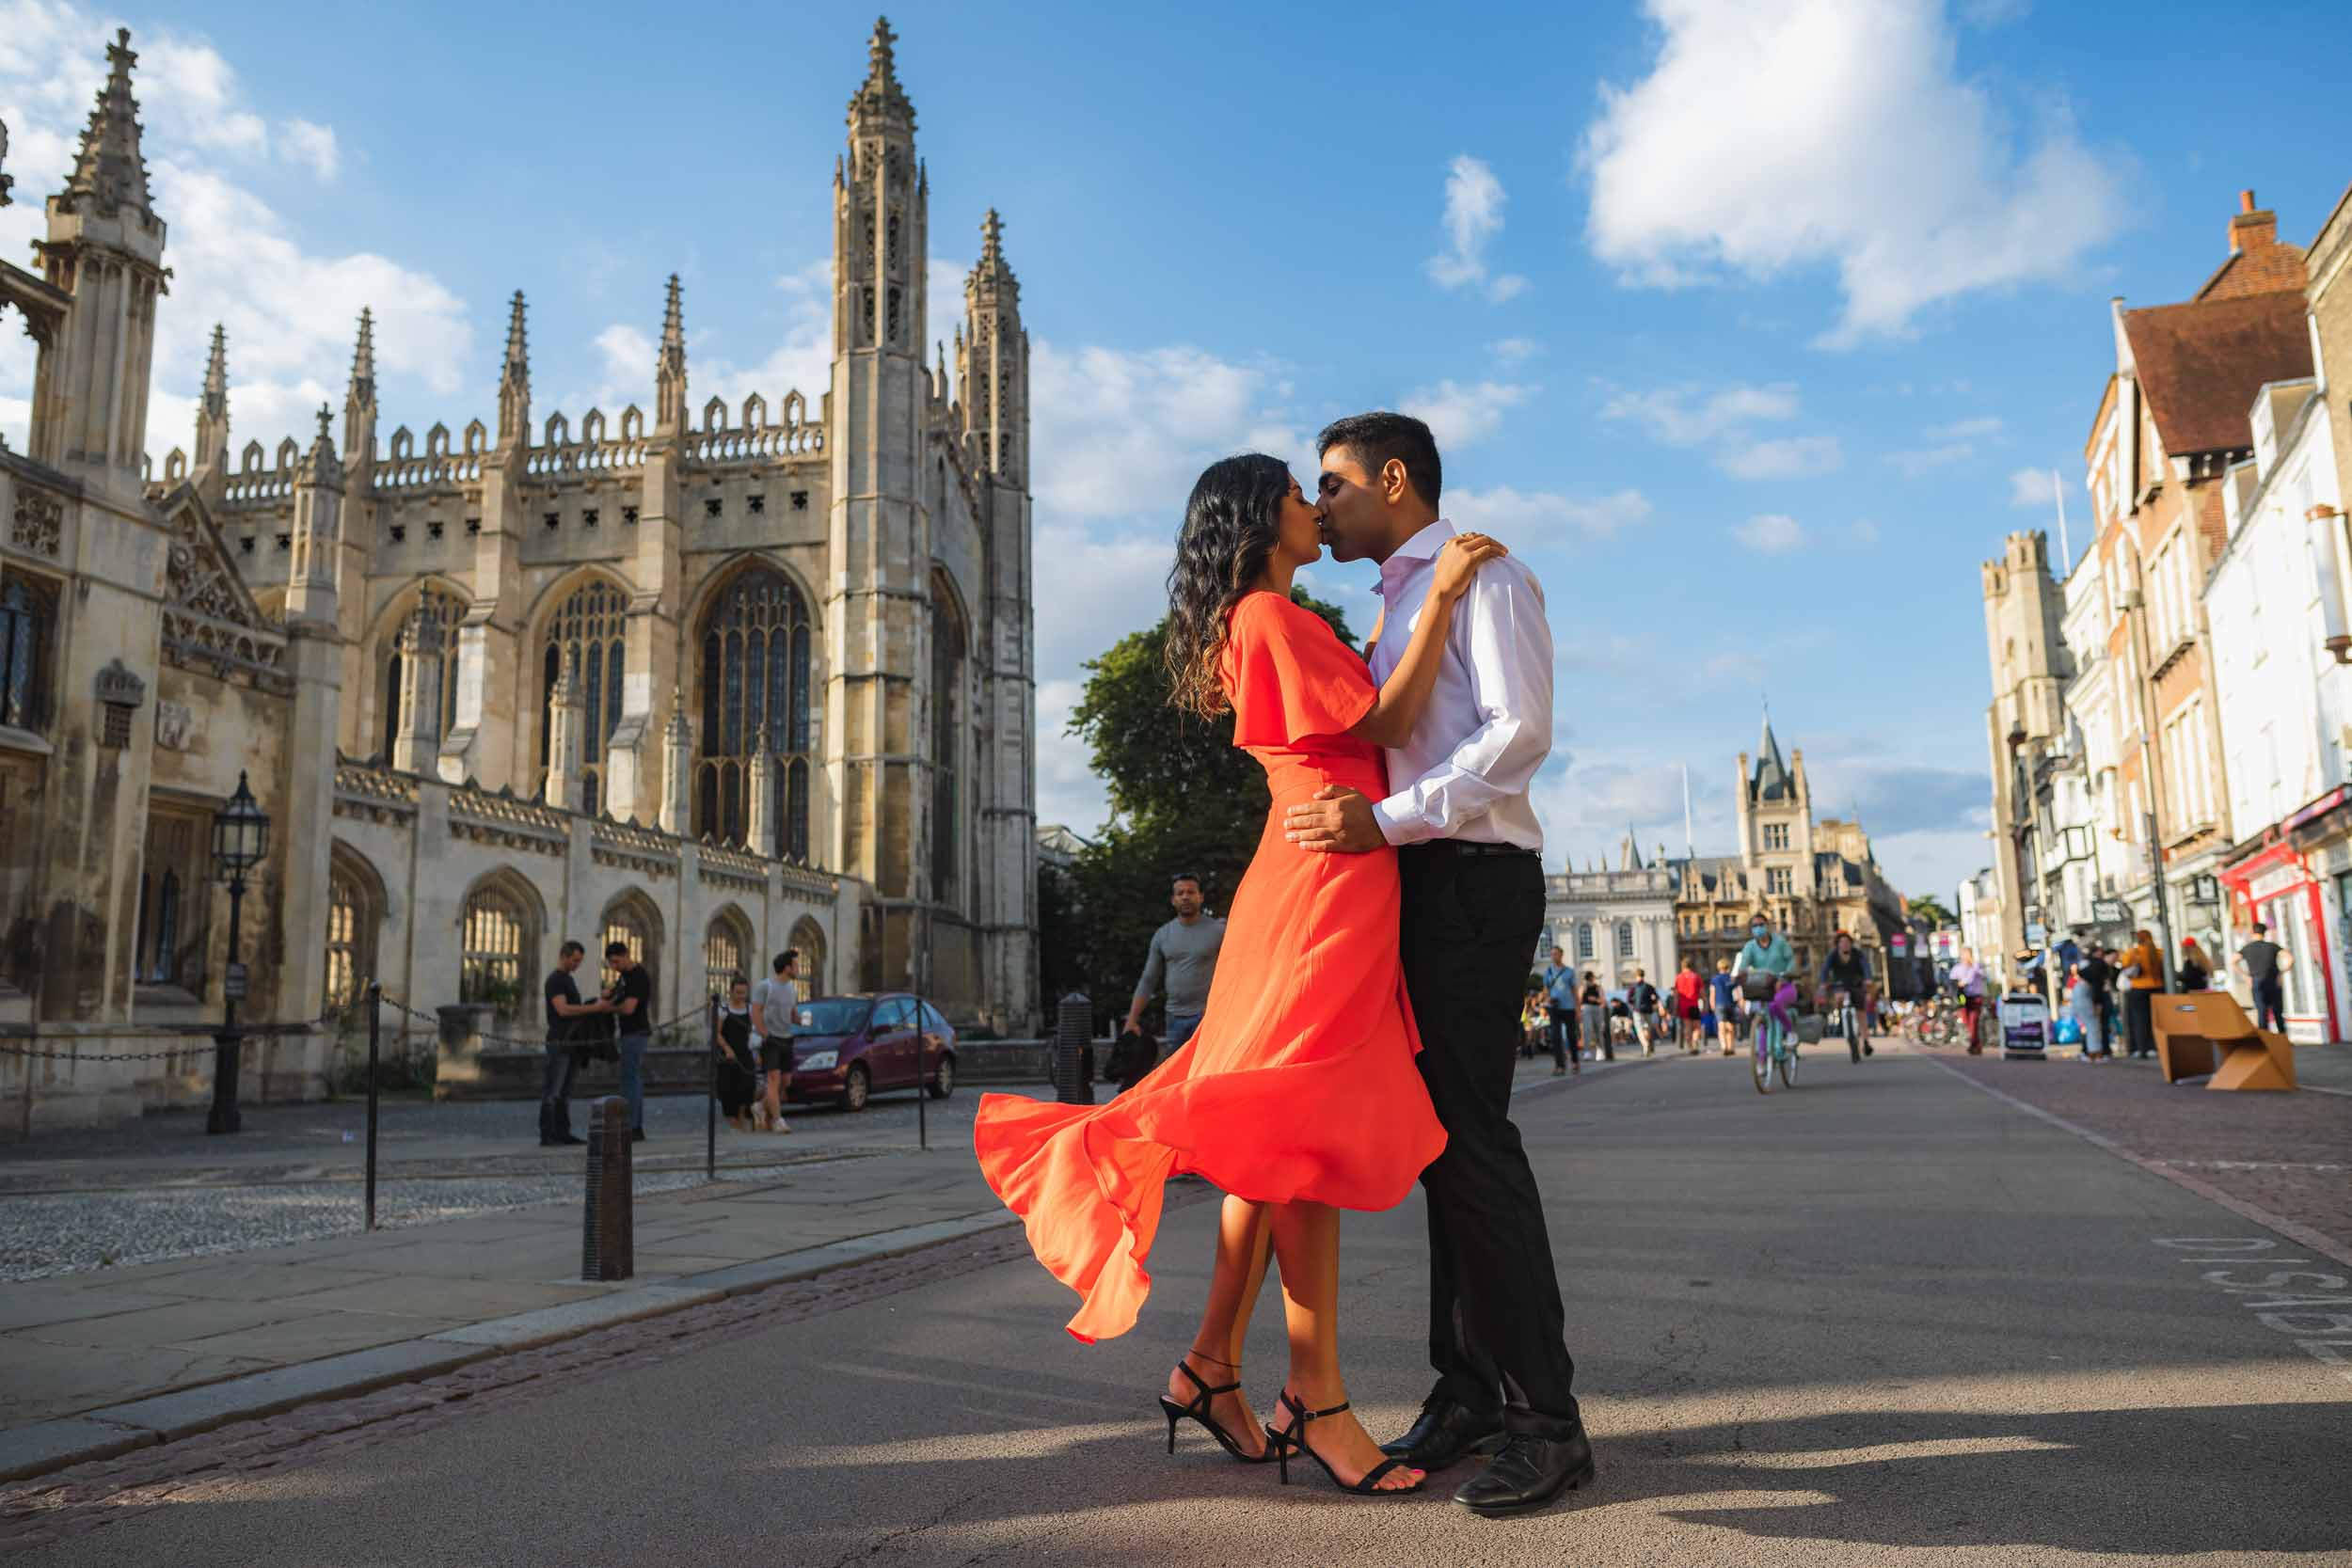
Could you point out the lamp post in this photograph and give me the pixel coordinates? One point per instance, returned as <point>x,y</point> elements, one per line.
<point>240,839</point>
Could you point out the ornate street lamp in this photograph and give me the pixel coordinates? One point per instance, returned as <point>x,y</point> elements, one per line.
<point>240,839</point>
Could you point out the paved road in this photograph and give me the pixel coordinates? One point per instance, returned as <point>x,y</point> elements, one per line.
<point>1885,1318</point>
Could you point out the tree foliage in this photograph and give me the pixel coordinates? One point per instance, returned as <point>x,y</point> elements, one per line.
<point>1183,799</point>
<point>1927,907</point>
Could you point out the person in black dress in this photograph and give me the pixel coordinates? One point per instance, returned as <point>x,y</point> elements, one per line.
<point>739,1073</point>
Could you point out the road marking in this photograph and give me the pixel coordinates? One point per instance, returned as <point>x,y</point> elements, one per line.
<point>2294,1231</point>
<point>2282,1298</point>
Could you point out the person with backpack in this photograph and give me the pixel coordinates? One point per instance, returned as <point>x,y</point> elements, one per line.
<point>1642,1001</point>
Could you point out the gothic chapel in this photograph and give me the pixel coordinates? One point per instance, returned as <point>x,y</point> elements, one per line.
<point>708,680</point>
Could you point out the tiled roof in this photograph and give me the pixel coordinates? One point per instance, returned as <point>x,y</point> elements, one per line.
<point>2202,363</point>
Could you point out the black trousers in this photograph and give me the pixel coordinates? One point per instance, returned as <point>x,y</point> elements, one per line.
<point>1561,1031</point>
<point>1496,1330</point>
<point>555,1090</point>
<point>2270,1004</point>
<point>2139,1016</point>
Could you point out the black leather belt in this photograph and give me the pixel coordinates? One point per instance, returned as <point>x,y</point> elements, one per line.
<point>1465,846</point>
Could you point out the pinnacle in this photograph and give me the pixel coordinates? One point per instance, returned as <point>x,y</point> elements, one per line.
<point>517,339</point>
<point>326,442</point>
<point>991,237</point>
<point>217,365</point>
<point>109,169</point>
<point>363,359</point>
<point>882,66</point>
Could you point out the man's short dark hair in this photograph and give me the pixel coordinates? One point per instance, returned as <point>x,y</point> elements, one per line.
<point>1376,439</point>
<point>568,949</point>
<point>615,949</point>
<point>1186,877</point>
<point>785,959</point>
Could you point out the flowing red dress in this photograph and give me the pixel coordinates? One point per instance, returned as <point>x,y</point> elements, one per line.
<point>1300,1083</point>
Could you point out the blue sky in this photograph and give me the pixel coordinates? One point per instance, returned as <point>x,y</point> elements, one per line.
<point>1739,319</point>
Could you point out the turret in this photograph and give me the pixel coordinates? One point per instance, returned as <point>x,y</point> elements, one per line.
<point>104,247</point>
<point>880,202</point>
<point>317,531</point>
<point>993,367</point>
<point>359,406</point>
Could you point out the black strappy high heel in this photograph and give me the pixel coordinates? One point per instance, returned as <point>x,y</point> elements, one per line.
<point>1294,1436</point>
<point>1198,1410</point>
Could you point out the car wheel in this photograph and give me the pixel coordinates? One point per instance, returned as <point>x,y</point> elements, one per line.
<point>944,1079</point>
<point>856,1088</point>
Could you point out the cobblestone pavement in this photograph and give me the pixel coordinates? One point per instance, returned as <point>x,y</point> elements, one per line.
<point>2288,1153</point>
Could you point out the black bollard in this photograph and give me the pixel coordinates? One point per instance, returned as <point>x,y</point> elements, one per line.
<point>608,1246</point>
<point>1074,1042</point>
<point>376,1030</point>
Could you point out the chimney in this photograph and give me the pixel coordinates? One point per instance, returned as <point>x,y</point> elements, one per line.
<point>2251,229</point>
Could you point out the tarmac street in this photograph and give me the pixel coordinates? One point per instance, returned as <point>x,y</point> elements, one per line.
<point>1885,1317</point>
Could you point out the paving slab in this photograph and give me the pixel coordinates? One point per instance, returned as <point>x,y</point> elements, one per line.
<point>193,1409</point>
<point>176,1323</point>
<point>312,1338</point>
<point>32,1450</point>
<point>41,1382</point>
<point>39,1301</point>
<point>557,1322</point>
<point>238,1279</point>
<point>452,1300</point>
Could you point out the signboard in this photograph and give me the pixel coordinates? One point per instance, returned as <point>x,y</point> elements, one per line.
<point>2205,889</point>
<point>2109,911</point>
<point>1899,942</point>
<point>2037,935</point>
<point>232,983</point>
<point>2024,1025</point>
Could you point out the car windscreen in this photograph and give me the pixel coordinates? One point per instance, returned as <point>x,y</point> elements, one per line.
<point>833,1014</point>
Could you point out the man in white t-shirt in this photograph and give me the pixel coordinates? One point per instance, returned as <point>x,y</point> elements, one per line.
<point>774,1002</point>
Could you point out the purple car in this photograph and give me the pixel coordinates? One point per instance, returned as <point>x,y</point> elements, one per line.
<point>848,1049</point>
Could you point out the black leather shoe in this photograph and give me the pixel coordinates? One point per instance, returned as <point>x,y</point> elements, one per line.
<point>1528,1473</point>
<point>1445,1434</point>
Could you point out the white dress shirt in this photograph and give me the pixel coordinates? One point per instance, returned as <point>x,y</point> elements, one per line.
<point>1466,771</point>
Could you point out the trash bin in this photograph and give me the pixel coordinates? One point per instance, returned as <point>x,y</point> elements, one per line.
<point>1074,1042</point>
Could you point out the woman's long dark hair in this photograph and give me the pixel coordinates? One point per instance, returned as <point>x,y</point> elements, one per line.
<point>1228,534</point>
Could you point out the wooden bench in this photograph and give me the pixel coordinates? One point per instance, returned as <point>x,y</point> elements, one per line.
<point>2206,1031</point>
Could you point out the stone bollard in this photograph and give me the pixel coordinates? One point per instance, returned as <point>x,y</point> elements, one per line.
<point>607,1247</point>
<point>1074,1043</point>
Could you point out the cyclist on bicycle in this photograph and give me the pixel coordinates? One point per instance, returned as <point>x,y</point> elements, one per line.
<point>1768,952</point>
<point>1847,970</point>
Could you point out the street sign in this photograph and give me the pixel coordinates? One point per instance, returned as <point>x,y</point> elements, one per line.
<point>2024,1025</point>
<point>2109,911</point>
<point>2205,889</point>
<point>232,983</point>
<point>2037,935</point>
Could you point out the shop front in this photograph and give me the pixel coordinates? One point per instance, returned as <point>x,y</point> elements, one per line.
<point>2275,883</point>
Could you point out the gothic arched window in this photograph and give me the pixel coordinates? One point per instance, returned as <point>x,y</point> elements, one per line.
<point>452,609</point>
<point>632,919</point>
<point>947,666</point>
<point>591,627</point>
<point>1624,939</point>
<point>726,947</point>
<point>754,681</point>
<point>27,611</point>
<point>499,936</point>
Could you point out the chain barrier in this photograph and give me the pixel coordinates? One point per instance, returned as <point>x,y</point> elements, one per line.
<point>199,1038</point>
<point>513,1041</point>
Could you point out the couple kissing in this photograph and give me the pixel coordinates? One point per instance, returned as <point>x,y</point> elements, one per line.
<point>1362,1031</point>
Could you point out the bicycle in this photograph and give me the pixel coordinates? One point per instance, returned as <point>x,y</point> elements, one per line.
<point>1848,1023</point>
<point>1774,1046</point>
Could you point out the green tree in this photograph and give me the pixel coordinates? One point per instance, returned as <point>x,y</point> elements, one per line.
<point>1183,799</point>
<point>1927,907</point>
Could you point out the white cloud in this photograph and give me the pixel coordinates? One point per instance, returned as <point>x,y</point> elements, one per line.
<point>1515,351</point>
<point>2034,488</point>
<point>1523,519</point>
<point>311,145</point>
<point>1794,458</point>
<point>1475,200</point>
<point>1982,427</point>
<point>1771,534</point>
<point>1458,414</point>
<point>1773,134</point>
<point>290,311</point>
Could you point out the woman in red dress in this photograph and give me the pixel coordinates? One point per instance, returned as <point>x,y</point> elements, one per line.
<point>1298,1095</point>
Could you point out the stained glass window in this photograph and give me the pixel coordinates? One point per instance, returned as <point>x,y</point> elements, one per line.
<point>755,680</point>
<point>593,625</point>
<point>451,610</point>
<point>27,614</point>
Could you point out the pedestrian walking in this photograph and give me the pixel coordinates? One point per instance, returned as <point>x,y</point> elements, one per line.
<point>1641,1002</point>
<point>2094,977</point>
<point>2264,964</point>
<point>631,998</point>
<point>2143,968</point>
<point>2196,971</point>
<point>739,1069</point>
<point>1560,1011</point>
<point>1727,1017</point>
<point>565,1036</point>
<point>775,1006</point>
<point>1686,1004</point>
<point>1592,1014</point>
<point>1182,959</point>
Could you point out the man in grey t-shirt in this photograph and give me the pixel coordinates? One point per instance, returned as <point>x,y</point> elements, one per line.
<point>1183,959</point>
<point>2264,963</point>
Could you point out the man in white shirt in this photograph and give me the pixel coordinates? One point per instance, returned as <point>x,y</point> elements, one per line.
<point>1470,859</point>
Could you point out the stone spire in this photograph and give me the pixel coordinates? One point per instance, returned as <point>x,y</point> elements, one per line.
<point>568,718</point>
<point>677,761</point>
<point>514,382</point>
<point>881,92</point>
<point>360,400</point>
<point>669,374</point>
<point>992,364</point>
<point>109,173</point>
<point>211,407</point>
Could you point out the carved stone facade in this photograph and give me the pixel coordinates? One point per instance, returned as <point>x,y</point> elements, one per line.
<point>756,671</point>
